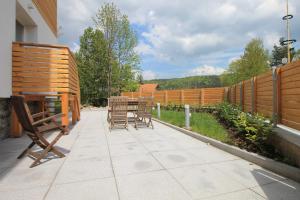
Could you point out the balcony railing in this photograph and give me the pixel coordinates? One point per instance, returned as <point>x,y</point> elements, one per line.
<point>40,69</point>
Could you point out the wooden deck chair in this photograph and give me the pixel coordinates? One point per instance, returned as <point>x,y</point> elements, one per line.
<point>35,129</point>
<point>118,113</point>
<point>143,114</point>
<point>109,102</point>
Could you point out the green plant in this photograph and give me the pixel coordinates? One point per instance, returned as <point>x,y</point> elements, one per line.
<point>203,123</point>
<point>252,128</point>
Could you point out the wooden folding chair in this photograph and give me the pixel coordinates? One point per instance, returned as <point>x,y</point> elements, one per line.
<point>143,113</point>
<point>118,113</point>
<point>35,129</point>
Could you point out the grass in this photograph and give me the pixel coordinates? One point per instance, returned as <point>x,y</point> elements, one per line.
<point>203,123</point>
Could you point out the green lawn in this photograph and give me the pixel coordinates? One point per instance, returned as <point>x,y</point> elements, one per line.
<point>203,123</point>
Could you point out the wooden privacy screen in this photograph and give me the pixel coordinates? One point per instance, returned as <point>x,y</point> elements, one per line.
<point>205,96</point>
<point>46,69</point>
<point>289,79</point>
<point>273,94</point>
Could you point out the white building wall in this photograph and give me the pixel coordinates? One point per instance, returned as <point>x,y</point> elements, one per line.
<point>7,35</point>
<point>38,32</point>
<point>42,30</point>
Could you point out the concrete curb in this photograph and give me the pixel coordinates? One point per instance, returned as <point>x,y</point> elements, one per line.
<point>267,163</point>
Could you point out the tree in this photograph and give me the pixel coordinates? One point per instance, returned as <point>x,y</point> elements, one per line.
<point>121,41</point>
<point>280,52</point>
<point>297,55</point>
<point>92,61</point>
<point>253,62</point>
<point>140,78</point>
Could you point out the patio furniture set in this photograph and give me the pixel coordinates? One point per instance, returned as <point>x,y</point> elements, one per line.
<point>36,125</point>
<point>123,110</point>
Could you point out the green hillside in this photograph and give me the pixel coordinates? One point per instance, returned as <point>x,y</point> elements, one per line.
<point>187,82</point>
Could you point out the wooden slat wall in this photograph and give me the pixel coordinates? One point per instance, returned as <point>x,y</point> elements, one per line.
<point>247,100</point>
<point>192,97</point>
<point>48,10</point>
<point>264,92</point>
<point>205,96</point>
<point>213,96</point>
<point>286,102</point>
<point>42,68</point>
<point>290,95</point>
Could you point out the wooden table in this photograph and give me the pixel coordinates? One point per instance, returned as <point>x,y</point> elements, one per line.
<point>133,104</point>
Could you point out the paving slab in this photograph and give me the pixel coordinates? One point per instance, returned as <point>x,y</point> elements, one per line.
<point>149,186</point>
<point>205,181</point>
<point>27,178</point>
<point>176,158</point>
<point>36,193</point>
<point>130,164</point>
<point>239,195</point>
<point>127,149</point>
<point>279,190</point>
<point>247,173</point>
<point>88,190</point>
<point>87,169</point>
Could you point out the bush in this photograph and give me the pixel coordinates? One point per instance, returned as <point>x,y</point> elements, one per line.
<point>255,129</point>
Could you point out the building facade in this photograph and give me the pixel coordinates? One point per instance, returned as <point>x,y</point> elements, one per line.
<point>21,21</point>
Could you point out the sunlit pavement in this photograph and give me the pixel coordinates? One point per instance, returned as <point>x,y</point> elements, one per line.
<point>135,165</point>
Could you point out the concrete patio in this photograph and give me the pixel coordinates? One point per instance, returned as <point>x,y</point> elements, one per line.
<point>135,165</point>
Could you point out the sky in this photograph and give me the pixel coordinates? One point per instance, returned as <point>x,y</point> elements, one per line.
<point>181,38</point>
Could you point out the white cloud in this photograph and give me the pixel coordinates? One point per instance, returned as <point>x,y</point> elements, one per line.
<point>206,70</point>
<point>189,33</point>
<point>144,49</point>
<point>149,75</point>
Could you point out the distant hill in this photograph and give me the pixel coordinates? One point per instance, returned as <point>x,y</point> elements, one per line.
<point>187,82</point>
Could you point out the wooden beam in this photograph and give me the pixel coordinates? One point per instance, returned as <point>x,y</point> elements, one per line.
<point>65,109</point>
<point>15,128</point>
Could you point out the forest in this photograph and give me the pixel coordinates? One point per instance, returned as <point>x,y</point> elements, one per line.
<point>187,82</point>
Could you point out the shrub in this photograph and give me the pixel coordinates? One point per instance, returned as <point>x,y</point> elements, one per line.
<point>255,129</point>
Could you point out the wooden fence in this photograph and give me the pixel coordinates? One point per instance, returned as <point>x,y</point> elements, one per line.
<point>204,96</point>
<point>275,94</point>
<point>40,69</point>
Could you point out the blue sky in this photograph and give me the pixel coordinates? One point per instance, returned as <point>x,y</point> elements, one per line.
<point>191,37</point>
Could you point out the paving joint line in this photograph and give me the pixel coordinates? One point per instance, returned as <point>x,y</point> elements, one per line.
<point>166,170</point>
<point>60,167</point>
<point>107,131</point>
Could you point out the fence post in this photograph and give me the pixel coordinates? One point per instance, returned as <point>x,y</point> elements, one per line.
<point>158,110</point>
<point>187,116</point>
<point>278,74</point>
<point>274,98</point>
<point>131,94</point>
<point>65,109</point>
<point>242,95</point>
<point>226,94</point>
<point>202,97</point>
<point>166,97</point>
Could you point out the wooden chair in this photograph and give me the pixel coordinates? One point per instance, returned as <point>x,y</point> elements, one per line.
<point>118,112</point>
<point>143,114</point>
<point>35,129</point>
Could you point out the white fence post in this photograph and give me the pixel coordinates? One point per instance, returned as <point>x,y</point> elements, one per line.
<point>158,110</point>
<point>187,116</point>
